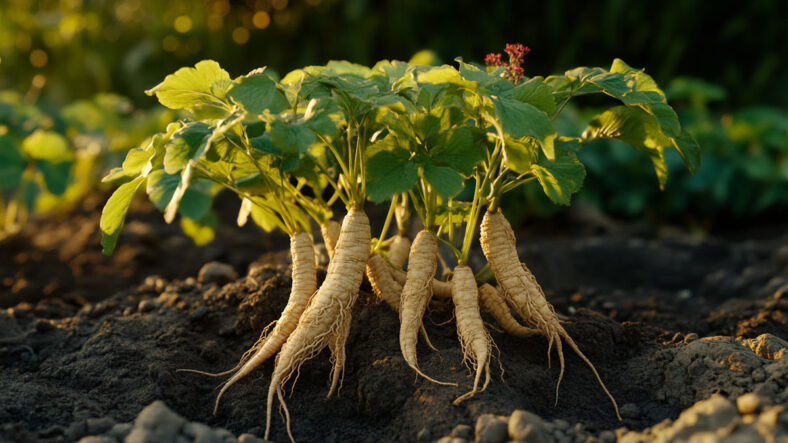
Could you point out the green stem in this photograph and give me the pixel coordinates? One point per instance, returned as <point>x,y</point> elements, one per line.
<point>470,228</point>
<point>386,224</point>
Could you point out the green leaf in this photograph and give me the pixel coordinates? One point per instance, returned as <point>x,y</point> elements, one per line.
<point>636,127</point>
<point>689,150</point>
<point>442,75</point>
<point>446,181</point>
<point>266,218</point>
<point>461,152</point>
<point>201,231</point>
<point>161,186</point>
<point>48,146</point>
<point>537,93</point>
<point>258,92</point>
<point>114,213</point>
<point>56,175</point>
<point>492,83</point>
<point>519,155</point>
<point>136,160</point>
<point>203,86</point>
<point>389,169</point>
<point>184,145</point>
<point>291,139</point>
<point>12,164</point>
<point>560,178</point>
<point>644,82</point>
<point>666,117</point>
<point>525,120</point>
<point>197,199</point>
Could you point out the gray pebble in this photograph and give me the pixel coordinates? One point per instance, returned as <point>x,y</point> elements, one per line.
<point>491,429</point>
<point>216,272</point>
<point>462,431</point>
<point>120,430</point>
<point>143,435</point>
<point>158,417</point>
<point>449,439</point>
<point>630,410</point>
<point>561,424</point>
<point>209,436</point>
<point>607,437</point>
<point>76,430</point>
<point>527,426</point>
<point>146,305</point>
<point>99,425</point>
<point>193,429</point>
<point>748,403</point>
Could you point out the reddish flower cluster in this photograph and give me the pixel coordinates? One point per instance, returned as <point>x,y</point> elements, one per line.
<point>514,69</point>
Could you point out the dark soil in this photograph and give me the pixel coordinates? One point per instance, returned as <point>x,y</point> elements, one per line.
<point>665,318</point>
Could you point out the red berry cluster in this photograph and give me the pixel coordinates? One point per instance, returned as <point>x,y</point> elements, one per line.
<point>514,69</point>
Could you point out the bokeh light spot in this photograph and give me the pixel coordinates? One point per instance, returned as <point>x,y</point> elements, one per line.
<point>240,35</point>
<point>182,24</point>
<point>39,58</point>
<point>261,20</point>
<point>39,80</point>
<point>279,4</point>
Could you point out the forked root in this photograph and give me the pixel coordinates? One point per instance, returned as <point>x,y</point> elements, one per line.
<point>523,292</point>
<point>327,318</point>
<point>474,339</point>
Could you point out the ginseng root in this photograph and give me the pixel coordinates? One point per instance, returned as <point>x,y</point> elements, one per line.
<point>326,318</point>
<point>440,289</point>
<point>387,289</point>
<point>399,250</point>
<point>493,303</point>
<point>303,287</point>
<point>330,234</point>
<point>416,294</point>
<point>524,294</point>
<point>475,340</point>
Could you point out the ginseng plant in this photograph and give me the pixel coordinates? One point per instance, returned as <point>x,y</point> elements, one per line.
<point>415,136</point>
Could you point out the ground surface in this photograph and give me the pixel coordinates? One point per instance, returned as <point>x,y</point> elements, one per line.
<point>668,319</point>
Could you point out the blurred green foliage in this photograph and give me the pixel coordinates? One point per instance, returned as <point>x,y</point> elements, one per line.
<point>50,161</point>
<point>744,172</point>
<point>81,47</point>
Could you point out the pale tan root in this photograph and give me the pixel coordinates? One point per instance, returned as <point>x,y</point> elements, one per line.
<point>416,293</point>
<point>304,285</point>
<point>493,303</point>
<point>330,234</point>
<point>522,291</point>
<point>387,289</point>
<point>398,251</point>
<point>440,289</point>
<point>474,339</point>
<point>338,356</point>
<point>328,313</point>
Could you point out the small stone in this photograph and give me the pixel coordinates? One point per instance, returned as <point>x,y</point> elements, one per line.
<point>198,313</point>
<point>99,425</point>
<point>491,429</point>
<point>462,431</point>
<point>146,305</point>
<point>630,410</point>
<point>216,272</point>
<point>193,429</point>
<point>161,419</point>
<point>527,426</point>
<point>142,435</point>
<point>97,439</point>
<point>76,430</point>
<point>208,435</point>
<point>424,435</point>
<point>449,439</point>
<point>748,404</point>
<point>120,430</point>
<point>607,437</point>
<point>561,424</point>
